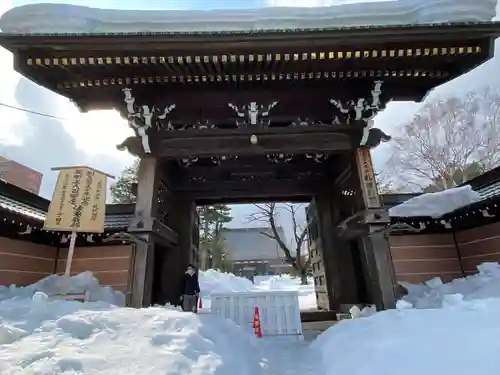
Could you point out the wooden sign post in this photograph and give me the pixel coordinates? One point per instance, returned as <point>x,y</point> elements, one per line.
<point>367,177</point>
<point>78,205</point>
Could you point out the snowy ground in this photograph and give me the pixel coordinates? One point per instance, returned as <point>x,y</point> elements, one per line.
<point>449,333</point>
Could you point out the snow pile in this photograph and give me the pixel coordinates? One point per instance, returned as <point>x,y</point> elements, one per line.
<point>39,335</point>
<point>43,336</point>
<point>432,294</point>
<point>460,339</point>
<point>216,281</point>
<point>454,330</point>
<point>66,18</point>
<point>307,294</point>
<point>213,281</point>
<point>437,204</point>
<point>282,282</point>
<point>54,284</point>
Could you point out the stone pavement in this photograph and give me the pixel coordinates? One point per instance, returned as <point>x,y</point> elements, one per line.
<point>311,330</point>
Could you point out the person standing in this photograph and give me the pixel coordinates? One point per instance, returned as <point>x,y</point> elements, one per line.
<point>190,290</point>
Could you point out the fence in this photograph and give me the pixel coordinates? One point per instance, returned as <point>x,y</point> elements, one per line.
<point>420,257</point>
<point>279,311</point>
<point>23,263</point>
<point>110,265</point>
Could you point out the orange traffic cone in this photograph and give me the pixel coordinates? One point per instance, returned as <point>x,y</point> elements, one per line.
<point>200,304</point>
<point>256,324</point>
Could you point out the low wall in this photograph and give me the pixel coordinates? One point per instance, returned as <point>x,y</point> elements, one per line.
<point>24,263</point>
<point>111,265</point>
<point>479,245</point>
<point>418,258</point>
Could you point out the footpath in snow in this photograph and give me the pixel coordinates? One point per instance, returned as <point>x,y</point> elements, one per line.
<point>438,329</point>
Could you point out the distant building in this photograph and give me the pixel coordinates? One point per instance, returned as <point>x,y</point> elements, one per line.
<point>253,253</point>
<point>20,175</point>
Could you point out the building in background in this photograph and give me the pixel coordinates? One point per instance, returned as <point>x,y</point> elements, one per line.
<point>20,175</point>
<point>252,253</point>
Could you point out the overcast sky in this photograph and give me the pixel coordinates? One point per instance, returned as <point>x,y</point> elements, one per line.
<point>42,143</point>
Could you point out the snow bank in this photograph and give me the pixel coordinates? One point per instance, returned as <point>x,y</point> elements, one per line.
<point>436,204</point>
<point>484,284</point>
<point>453,330</point>
<point>54,284</point>
<point>216,281</point>
<point>460,339</point>
<point>307,294</point>
<point>65,18</point>
<point>42,336</point>
<point>280,282</point>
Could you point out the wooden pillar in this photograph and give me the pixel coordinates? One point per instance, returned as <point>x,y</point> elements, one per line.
<point>338,261</point>
<point>374,243</point>
<point>181,218</point>
<point>145,209</point>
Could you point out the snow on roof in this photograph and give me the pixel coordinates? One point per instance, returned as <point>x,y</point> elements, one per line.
<point>437,204</point>
<point>65,18</point>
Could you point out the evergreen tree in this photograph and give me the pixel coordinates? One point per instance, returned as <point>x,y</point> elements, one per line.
<point>212,221</point>
<point>123,190</point>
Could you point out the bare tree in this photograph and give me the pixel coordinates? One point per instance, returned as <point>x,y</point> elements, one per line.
<point>446,137</point>
<point>388,183</point>
<point>268,213</point>
<point>384,183</point>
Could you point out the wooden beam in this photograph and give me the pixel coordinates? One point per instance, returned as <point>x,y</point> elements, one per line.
<point>226,171</point>
<point>280,131</point>
<point>250,200</point>
<point>165,233</point>
<point>144,250</point>
<point>374,242</point>
<point>269,190</point>
<point>240,145</point>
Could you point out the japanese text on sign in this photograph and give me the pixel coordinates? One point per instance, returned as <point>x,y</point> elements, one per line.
<point>367,176</point>
<point>78,201</point>
<point>62,199</point>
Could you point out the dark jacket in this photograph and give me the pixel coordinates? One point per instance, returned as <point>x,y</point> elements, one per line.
<point>190,284</point>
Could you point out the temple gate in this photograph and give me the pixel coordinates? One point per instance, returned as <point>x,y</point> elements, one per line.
<point>242,117</point>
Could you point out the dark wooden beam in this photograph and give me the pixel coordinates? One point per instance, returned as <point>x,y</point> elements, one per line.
<point>145,207</point>
<point>243,190</point>
<point>246,69</point>
<point>169,236</point>
<point>359,223</point>
<point>285,131</point>
<point>231,169</point>
<point>196,101</point>
<point>251,200</point>
<point>152,225</point>
<point>329,142</point>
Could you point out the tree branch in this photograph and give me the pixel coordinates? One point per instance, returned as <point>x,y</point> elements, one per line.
<point>449,141</point>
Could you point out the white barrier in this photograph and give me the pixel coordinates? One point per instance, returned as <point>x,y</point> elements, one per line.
<point>279,310</point>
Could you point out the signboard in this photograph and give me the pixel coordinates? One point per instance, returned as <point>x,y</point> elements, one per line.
<point>79,201</point>
<point>367,177</point>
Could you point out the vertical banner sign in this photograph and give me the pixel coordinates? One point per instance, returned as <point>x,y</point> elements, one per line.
<point>367,177</point>
<point>79,201</point>
<point>78,205</point>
